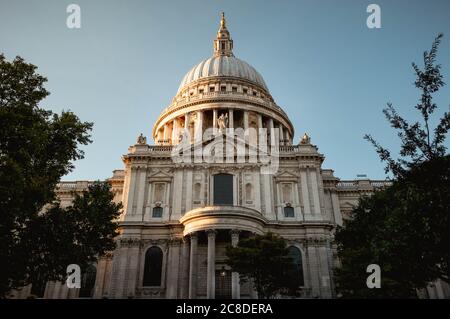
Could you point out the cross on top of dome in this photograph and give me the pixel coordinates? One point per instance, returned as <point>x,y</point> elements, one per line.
<point>223,44</point>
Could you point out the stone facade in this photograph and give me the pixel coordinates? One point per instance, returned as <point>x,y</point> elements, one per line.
<point>168,191</point>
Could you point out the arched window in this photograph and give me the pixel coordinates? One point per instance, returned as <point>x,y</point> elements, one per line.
<point>289,211</point>
<point>157,212</point>
<point>296,271</point>
<point>153,267</point>
<point>88,282</point>
<point>223,189</point>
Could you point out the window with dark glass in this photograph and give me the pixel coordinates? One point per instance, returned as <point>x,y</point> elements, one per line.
<point>296,271</point>
<point>153,267</point>
<point>88,282</point>
<point>289,211</point>
<point>223,189</point>
<point>157,212</point>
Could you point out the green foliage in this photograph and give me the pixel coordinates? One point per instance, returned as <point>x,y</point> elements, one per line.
<point>418,143</point>
<point>37,148</point>
<point>405,229</point>
<point>264,260</point>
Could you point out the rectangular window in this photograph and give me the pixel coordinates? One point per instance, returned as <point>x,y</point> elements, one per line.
<point>223,88</point>
<point>223,189</point>
<point>200,91</point>
<point>234,89</point>
<point>289,211</point>
<point>244,90</point>
<point>157,212</point>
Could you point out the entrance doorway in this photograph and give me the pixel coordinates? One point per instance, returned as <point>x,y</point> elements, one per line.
<point>223,284</point>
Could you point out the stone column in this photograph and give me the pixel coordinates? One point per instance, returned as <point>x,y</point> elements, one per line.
<point>230,119</point>
<point>186,121</point>
<point>235,285</point>
<point>166,133</point>
<point>159,136</point>
<point>260,123</point>
<point>199,127</point>
<point>175,131</point>
<point>132,268</point>
<point>184,284</point>
<point>193,267</point>
<point>211,270</point>
<point>245,120</point>
<point>271,131</point>
<point>173,281</point>
<point>287,138</point>
<point>100,278</point>
<point>215,121</point>
<point>281,135</point>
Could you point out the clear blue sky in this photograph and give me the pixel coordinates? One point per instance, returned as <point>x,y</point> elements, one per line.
<point>330,73</point>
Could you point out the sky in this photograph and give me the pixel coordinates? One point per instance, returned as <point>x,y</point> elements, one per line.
<point>330,73</point>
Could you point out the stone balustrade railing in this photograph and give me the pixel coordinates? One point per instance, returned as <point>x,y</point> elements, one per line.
<point>168,148</point>
<point>358,183</point>
<point>67,186</point>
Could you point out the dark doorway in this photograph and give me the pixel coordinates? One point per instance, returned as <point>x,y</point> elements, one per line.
<point>223,284</point>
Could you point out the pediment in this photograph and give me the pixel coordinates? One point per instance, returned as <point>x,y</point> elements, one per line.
<point>286,175</point>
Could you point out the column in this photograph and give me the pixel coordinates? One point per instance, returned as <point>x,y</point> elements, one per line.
<point>281,135</point>
<point>166,133</point>
<point>287,139</point>
<point>271,132</point>
<point>211,272</point>
<point>175,132</point>
<point>260,124</point>
<point>215,121</point>
<point>159,136</point>
<point>245,120</point>
<point>132,268</point>
<point>193,267</point>
<point>184,285</point>
<point>246,131</point>
<point>235,285</point>
<point>186,127</point>
<point>173,281</point>
<point>100,278</point>
<point>186,120</point>
<point>230,119</point>
<point>199,127</point>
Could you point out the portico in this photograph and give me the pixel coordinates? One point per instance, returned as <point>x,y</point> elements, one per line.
<point>215,227</point>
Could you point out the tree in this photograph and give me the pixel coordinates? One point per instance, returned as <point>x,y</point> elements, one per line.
<point>418,142</point>
<point>77,234</point>
<point>405,229</point>
<point>37,148</point>
<point>264,260</point>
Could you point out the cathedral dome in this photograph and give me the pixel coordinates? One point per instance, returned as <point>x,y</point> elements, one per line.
<point>218,85</point>
<point>223,66</point>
